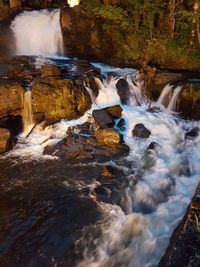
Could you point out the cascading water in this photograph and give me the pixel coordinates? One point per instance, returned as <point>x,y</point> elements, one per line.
<point>28,121</point>
<point>159,183</point>
<point>38,33</point>
<point>173,102</point>
<point>164,97</point>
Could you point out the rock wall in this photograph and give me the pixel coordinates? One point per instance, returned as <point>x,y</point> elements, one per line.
<point>183,250</point>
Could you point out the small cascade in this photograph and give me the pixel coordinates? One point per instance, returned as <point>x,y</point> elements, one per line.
<point>173,102</point>
<point>135,88</point>
<point>99,84</point>
<point>28,121</point>
<point>38,33</point>
<point>164,98</point>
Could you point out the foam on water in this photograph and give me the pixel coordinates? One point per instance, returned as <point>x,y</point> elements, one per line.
<point>166,179</point>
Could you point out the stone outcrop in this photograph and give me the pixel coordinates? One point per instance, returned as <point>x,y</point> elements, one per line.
<point>141,131</point>
<point>5,140</point>
<point>11,99</point>
<point>183,250</point>
<point>77,147</point>
<point>60,98</point>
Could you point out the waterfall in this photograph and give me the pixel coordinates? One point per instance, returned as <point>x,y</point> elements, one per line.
<point>27,112</point>
<point>173,101</point>
<point>38,33</point>
<point>165,95</point>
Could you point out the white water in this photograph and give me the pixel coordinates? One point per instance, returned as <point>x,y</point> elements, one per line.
<point>164,97</point>
<point>164,188</point>
<point>173,102</point>
<point>27,112</point>
<point>38,33</point>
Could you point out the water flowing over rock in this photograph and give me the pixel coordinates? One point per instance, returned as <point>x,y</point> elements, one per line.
<point>38,33</point>
<point>28,121</point>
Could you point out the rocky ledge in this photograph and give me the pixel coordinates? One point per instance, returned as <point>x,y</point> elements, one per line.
<point>183,250</point>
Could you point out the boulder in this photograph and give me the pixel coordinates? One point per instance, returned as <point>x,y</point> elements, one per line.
<point>60,98</point>
<point>192,134</point>
<point>102,118</point>
<point>141,131</point>
<point>123,91</point>
<point>50,70</point>
<point>105,117</point>
<point>183,249</point>
<point>5,140</point>
<point>108,137</point>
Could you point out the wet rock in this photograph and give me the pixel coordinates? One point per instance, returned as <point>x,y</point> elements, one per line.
<point>91,83</point>
<point>102,118</point>
<point>141,131</point>
<point>5,140</point>
<point>108,137</point>
<point>114,111</point>
<point>60,98</point>
<point>102,193</point>
<point>108,171</point>
<point>50,70</point>
<point>183,249</point>
<point>105,117</point>
<point>123,91</point>
<point>85,128</point>
<point>83,148</point>
<point>153,146</point>
<point>192,134</point>
<point>121,124</point>
<point>12,123</point>
<point>11,99</point>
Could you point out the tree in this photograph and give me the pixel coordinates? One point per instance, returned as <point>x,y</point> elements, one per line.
<point>15,3</point>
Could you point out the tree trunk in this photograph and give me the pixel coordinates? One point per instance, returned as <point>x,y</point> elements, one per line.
<point>172,21</point>
<point>15,3</point>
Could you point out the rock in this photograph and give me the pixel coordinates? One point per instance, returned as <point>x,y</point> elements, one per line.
<point>108,137</point>
<point>153,146</point>
<point>12,123</point>
<point>121,124</point>
<point>102,193</point>
<point>192,133</point>
<point>105,117</point>
<point>83,148</point>
<point>60,98</point>
<point>11,99</point>
<point>50,70</point>
<point>115,111</point>
<point>123,91</point>
<point>183,249</point>
<point>189,101</point>
<point>5,140</point>
<point>141,131</point>
<point>91,83</point>
<point>108,171</point>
